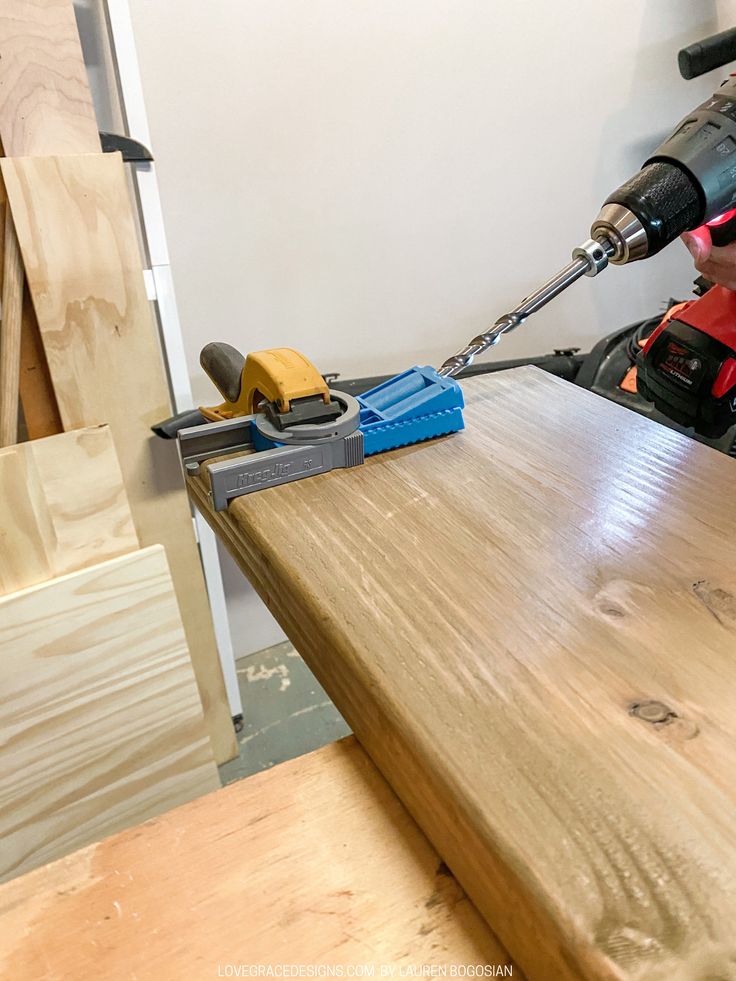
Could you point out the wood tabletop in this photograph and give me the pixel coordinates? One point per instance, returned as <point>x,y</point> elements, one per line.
<point>314,862</point>
<point>531,628</point>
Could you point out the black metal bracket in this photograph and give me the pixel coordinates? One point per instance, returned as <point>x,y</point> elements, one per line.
<point>132,150</point>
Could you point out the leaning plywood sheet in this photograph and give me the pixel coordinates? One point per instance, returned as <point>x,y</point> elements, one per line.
<point>531,627</point>
<point>62,507</point>
<point>155,902</point>
<point>76,232</point>
<point>45,108</point>
<point>40,411</point>
<point>45,102</point>
<point>100,720</point>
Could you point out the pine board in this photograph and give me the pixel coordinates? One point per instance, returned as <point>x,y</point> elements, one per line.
<point>259,873</point>
<point>75,227</point>
<point>486,611</point>
<point>101,721</point>
<point>10,333</point>
<point>40,410</point>
<point>45,103</point>
<point>62,507</point>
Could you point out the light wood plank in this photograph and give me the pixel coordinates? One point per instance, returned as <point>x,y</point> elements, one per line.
<point>76,232</point>
<point>45,107</point>
<point>10,334</point>
<point>102,725</point>
<point>3,211</point>
<point>45,102</point>
<point>486,611</point>
<point>26,531</point>
<point>62,507</point>
<point>40,409</point>
<point>314,862</point>
<point>80,479</point>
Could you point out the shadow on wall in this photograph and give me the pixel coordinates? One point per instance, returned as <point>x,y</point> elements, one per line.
<point>252,627</point>
<point>92,28</point>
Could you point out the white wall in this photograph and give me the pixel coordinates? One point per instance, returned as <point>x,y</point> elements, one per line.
<point>374,181</point>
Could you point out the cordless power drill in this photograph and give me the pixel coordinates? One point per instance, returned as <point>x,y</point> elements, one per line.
<point>688,366</point>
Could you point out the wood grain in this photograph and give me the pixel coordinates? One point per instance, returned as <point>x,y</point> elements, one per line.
<point>101,721</point>
<point>45,102</point>
<point>63,507</point>
<point>10,333</point>
<point>258,873</point>
<point>76,232</point>
<point>40,409</point>
<point>487,611</point>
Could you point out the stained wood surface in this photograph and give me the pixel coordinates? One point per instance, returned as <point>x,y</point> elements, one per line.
<point>45,102</point>
<point>63,507</point>
<point>314,862</point>
<point>76,232</point>
<point>487,611</point>
<point>102,725</point>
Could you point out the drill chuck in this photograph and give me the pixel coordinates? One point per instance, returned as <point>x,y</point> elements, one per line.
<point>688,180</point>
<point>648,212</point>
<point>621,228</point>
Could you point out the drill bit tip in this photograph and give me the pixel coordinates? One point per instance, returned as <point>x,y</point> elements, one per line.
<point>580,265</point>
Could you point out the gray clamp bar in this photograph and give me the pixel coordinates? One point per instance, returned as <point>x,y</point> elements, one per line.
<point>269,468</point>
<point>266,468</point>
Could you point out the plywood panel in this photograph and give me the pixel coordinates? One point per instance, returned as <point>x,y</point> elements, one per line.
<point>62,507</point>
<point>489,613</point>
<point>45,102</point>
<point>10,333</point>
<point>100,718</point>
<point>76,232</point>
<point>25,525</point>
<point>40,410</point>
<point>153,901</point>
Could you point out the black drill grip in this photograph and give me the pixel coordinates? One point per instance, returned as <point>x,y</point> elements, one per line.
<point>703,56</point>
<point>664,199</point>
<point>224,365</point>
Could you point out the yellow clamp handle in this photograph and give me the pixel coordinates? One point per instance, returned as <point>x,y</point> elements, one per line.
<point>277,375</point>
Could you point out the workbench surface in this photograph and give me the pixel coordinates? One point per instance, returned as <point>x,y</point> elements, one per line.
<point>314,862</point>
<point>531,628</point>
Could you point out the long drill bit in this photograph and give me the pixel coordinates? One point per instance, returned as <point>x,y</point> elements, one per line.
<point>588,259</point>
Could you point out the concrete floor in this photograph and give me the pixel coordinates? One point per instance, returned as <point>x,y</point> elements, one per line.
<point>286,712</point>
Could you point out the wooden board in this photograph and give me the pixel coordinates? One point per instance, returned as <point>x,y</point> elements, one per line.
<point>62,507</point>
<point>40,409</point>
<point>10,333</point>
<point>45,107</point>
<point>100,717</point>
<point>487,612</point>
<point>76,232</point>
<point>45,102</point>
<point>314,862</point>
